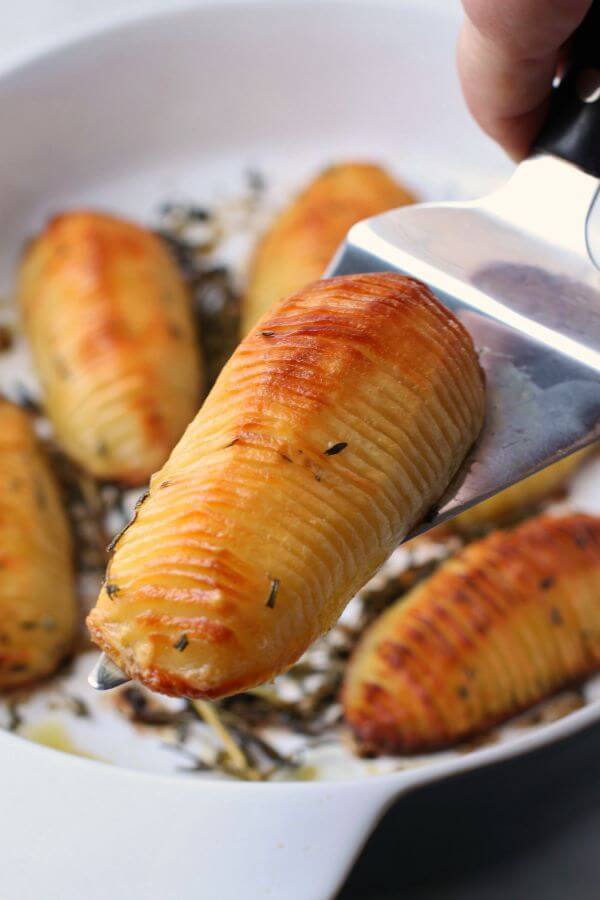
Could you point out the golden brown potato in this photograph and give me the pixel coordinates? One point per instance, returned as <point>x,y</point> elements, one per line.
<point>303,239</point>
<point>333,428</point>
<point>507,622</point>
<point>111,330</point>
<point>38,613</point>
<point>521,497</point>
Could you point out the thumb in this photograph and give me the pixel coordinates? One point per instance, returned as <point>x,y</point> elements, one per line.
<point>508,54</point>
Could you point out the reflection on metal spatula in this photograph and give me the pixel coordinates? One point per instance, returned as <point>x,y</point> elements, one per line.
<point>516,269</point>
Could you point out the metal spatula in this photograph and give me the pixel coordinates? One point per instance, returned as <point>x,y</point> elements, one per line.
<point>516,268</point>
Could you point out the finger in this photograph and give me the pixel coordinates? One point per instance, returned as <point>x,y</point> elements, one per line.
<point>526,28</point>
<point>507,97</point>
<point>507,57</point>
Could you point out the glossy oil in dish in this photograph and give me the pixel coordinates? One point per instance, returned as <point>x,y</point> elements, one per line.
<point>507,622</point>
<point>301,242</point>
<point>110,325</point>
<point>38,610</point>
<point>336,424</point>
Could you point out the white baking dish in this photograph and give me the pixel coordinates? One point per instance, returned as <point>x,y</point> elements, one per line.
<point>178,104</point>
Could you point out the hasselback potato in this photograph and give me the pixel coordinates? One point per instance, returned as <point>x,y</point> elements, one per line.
<point>333,428</point>
<point>38,613</point>
<point>507,622</point>
<point>301,242</point>
<point>111,332</point>
<point>520,498</point>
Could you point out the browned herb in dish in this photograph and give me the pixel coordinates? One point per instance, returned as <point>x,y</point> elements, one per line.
<point>215,301</point>
<point>87,504</point>
<point>6,338</point>
<point>140,706</point>
<point>15,720</point>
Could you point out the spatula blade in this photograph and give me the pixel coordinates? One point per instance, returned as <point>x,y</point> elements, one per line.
<point>516,271</point>
<point>106,675</point>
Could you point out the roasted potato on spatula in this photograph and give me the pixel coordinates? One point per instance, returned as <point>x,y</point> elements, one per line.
<point>507,622</point>
<point>38,612</point>
<point>331,431</point>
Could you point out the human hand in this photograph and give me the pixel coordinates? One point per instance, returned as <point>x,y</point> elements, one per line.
<point>508,55</point>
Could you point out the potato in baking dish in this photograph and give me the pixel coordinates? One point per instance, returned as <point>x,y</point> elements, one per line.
<point>299,245</point>
<point>331,431</point>
<point>111,331</point>
<point>507,622</point>
<point>38,611</point>
<point>520,498</point>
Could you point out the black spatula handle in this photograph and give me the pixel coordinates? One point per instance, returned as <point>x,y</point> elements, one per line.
<point>572,129</point>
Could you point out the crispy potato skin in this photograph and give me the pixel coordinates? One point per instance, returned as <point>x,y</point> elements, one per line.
<point>251,507</point>
<point>112,336</point>
<point>38,612</point>
<point>507,622</point>
<point>521,497</point>
<point>302,241</point>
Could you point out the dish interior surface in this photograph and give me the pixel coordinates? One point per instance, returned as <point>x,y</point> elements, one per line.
<point>190,130</point>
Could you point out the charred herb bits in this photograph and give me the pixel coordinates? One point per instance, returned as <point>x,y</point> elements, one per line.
<point>273,591</point>
<point>181,643</point>
<point>336,448</point>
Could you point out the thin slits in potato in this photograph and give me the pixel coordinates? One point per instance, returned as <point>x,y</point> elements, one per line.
<point>519,499</point>
<point>111,330</point>
<point>507,622</point>
<point>300,244</point>
<point>334,427</point>
<point>38,613</point>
